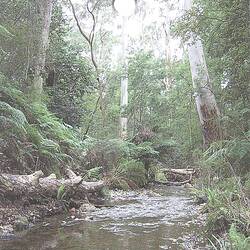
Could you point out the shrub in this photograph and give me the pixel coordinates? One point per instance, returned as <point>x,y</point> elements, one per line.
<point>228,157</point>
<point>128,174</point>
<point>238,240</point>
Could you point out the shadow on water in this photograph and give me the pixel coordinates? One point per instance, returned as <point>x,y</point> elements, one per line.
<point>160,218</point>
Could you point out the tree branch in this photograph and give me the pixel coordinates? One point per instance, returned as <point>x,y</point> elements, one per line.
<point>90,40</point>
<point>77,22</point>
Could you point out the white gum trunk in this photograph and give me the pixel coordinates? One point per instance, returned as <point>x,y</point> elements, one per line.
<point>45,11</point>
<point>206,105</point>
<point>124,82</point>
<point>166,27</point>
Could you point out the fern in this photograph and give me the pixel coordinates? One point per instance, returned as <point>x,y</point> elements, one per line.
<point>4,32</point>
<point>38,135</point>
<point>12,113</point>
<point>61,192</point>
<point>238,240</point>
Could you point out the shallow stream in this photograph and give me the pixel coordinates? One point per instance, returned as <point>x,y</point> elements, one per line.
<point>159,218</point>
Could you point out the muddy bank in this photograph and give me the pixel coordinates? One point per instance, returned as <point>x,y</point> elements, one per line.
<point>16,217</point>
<point>27,199</point>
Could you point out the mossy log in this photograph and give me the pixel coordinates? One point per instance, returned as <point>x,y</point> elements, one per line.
<point>15,186</point>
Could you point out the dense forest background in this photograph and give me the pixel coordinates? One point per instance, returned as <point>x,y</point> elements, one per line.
<point>64,112</point>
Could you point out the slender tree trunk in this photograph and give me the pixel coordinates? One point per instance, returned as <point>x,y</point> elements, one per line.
<point>124,83</point>
<point>206,105</point>
<point>44,20</point>
<point>166,27</point>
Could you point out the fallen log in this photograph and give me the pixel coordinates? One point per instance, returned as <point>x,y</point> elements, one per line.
<point>179,171</point>
<point>172,183</point>
<point>14,186</point>
<point>175,183</point>
<point>173,173</point>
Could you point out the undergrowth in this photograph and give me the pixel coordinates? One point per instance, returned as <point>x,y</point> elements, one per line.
<point>225,183</point>
<point>31,136</point>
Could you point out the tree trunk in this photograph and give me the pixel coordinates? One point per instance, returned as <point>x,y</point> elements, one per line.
<point>166,27</point>
<point>124,83</point>
<point>44,20</point>
<point>206,105</point>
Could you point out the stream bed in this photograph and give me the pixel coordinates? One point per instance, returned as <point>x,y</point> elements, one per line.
<point>158,218</point>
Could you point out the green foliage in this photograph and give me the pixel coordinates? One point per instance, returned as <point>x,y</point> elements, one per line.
<point>61,192</point>
<point>128,174</point>
<point>95,173</point>
<point>160,176</point>
<point>111,151</point>
<point>223,27</point>
<point>12,120</point>
<point>247,184</point>
<point>128,165</point>
<point>226,206</point>
<point>124,163</point>
<point>37,135</point>
<point>53,127</point>
<point>145,83</point>
<point>18,39</point>
<point>135,172</point>
<point>238,240</point>
<point>4,32</point>
<point>225,166</point>
<point>228,157</point>
<point>70,76</point>
<point>106,153</point>
<point>171,153</point>
<point>33,136</point>
<point>143,151</point>
<point>12,113</point>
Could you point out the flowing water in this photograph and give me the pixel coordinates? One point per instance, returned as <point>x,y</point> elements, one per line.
<point>159,218</point>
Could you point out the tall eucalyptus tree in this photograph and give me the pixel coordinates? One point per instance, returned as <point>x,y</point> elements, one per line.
<point>126,9</point>
<point>206,104</point>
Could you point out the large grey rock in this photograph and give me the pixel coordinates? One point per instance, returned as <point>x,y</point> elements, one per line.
<point>86,207</point>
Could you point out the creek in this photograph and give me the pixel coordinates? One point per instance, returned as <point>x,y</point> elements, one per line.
<point>157,218</point>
